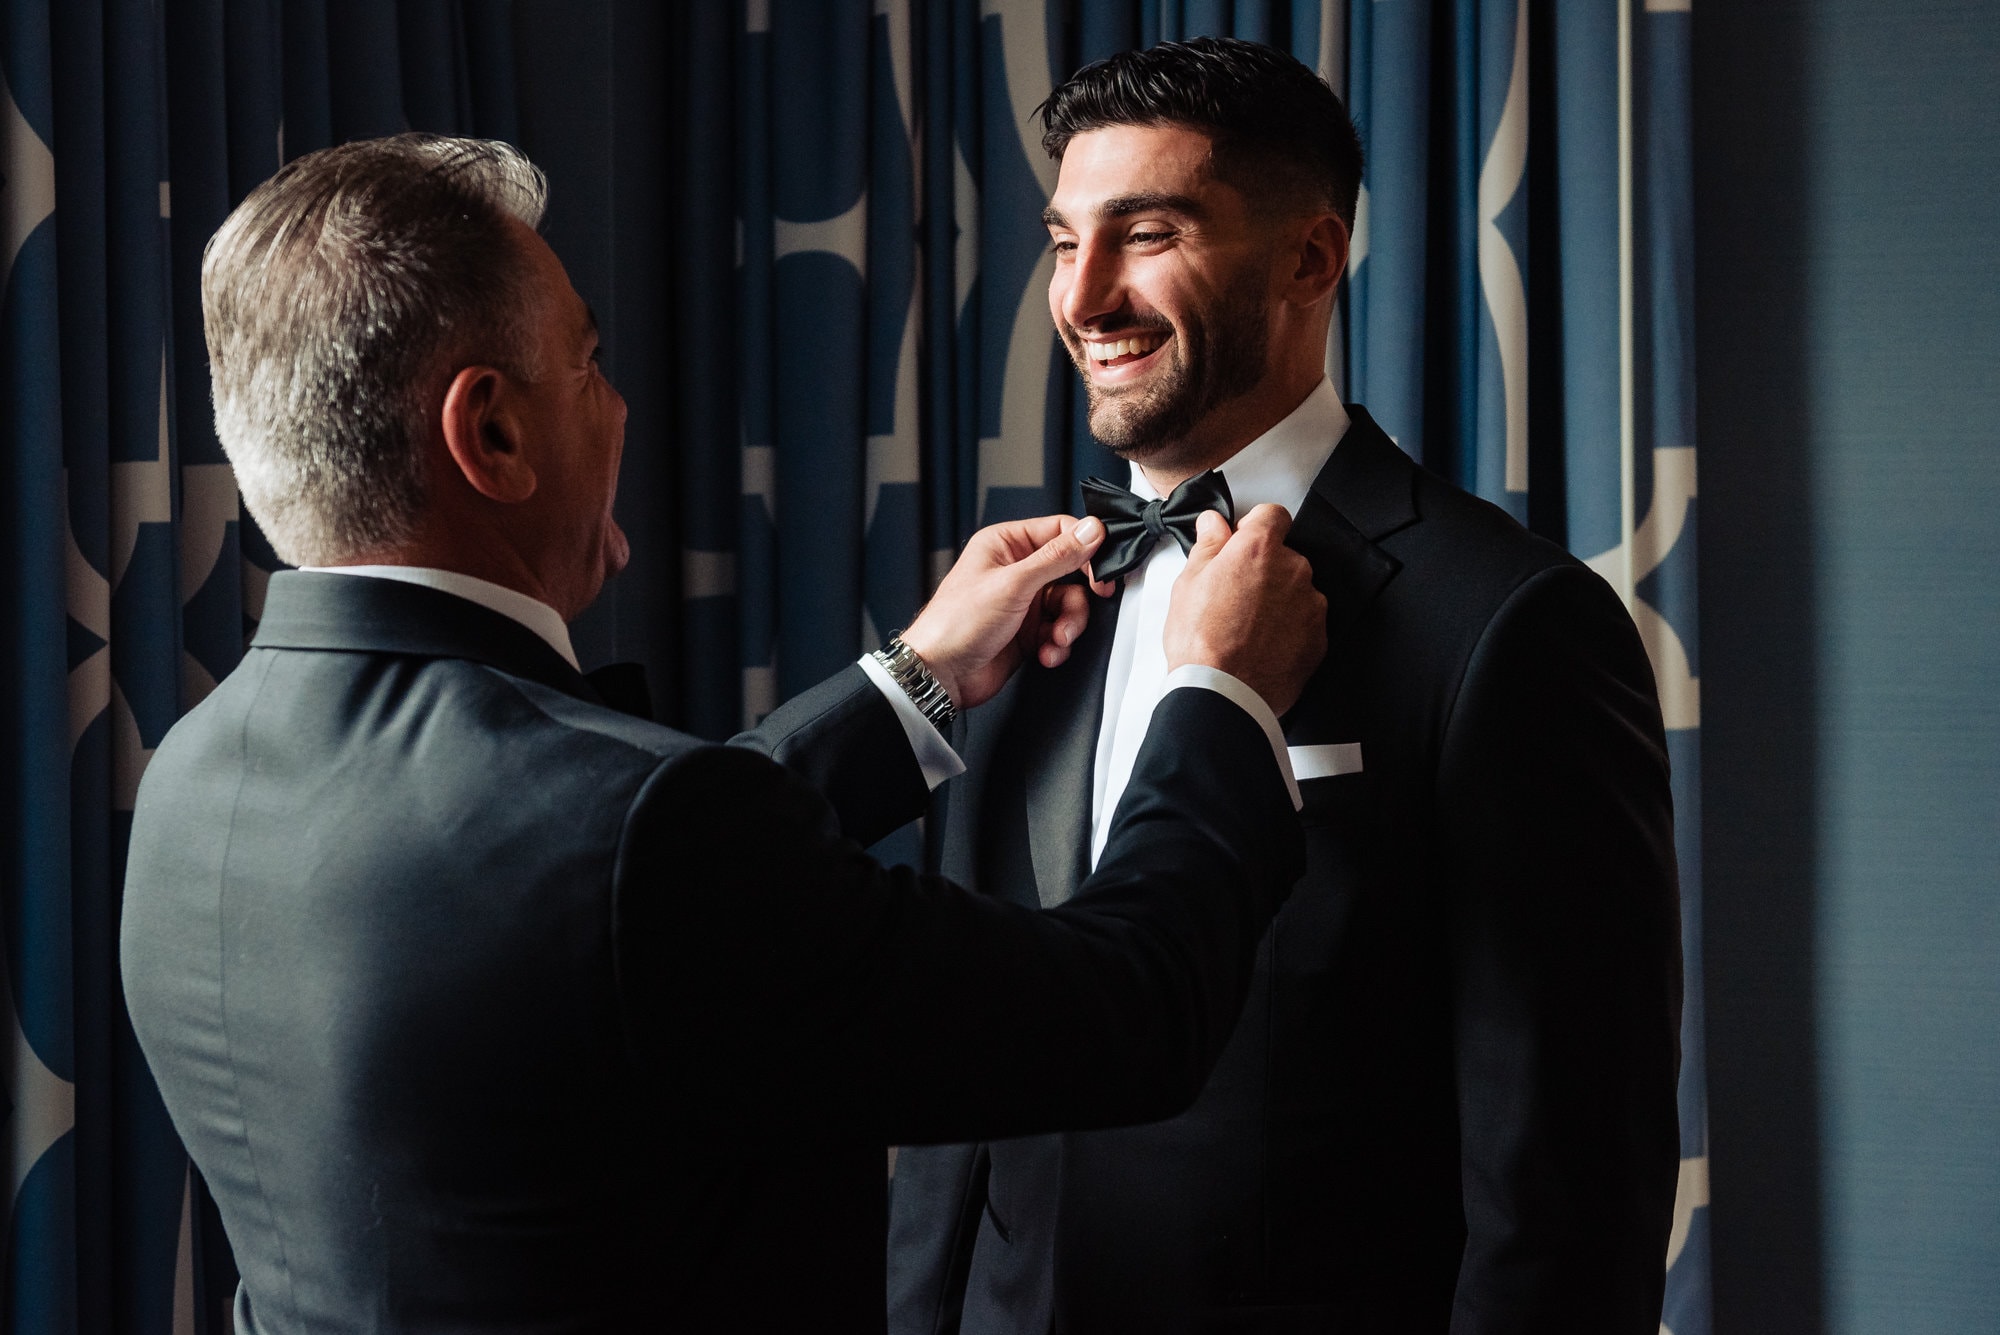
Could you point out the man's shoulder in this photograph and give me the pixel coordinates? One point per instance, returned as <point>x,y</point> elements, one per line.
<point>1430,527</point>
<point>1452,564</point>
<point>1473,548</point>
<point>393,778</point>
<point>586,723</point>
<point>477,723</point>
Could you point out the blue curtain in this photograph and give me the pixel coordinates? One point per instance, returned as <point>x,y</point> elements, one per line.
<point>127,131</point>
<point>810,233</point>
<point>1520,316</point>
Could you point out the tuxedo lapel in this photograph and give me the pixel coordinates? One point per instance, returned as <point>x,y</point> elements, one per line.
<point>1361,495</point>
<point>1369,479</point>
<point>1347,568</point>
<point>1057,722</point>
<point>1364,493</point>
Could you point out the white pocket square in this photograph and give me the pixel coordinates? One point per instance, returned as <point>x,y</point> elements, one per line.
<point>1325,760</point>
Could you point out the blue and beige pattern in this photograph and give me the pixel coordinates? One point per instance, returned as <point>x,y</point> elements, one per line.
<point>857,370</point>
<point>125,136</point>
<point>1561,385</point>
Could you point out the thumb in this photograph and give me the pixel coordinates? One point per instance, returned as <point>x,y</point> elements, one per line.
<point>1065,552</point>
<point>1211,531</point>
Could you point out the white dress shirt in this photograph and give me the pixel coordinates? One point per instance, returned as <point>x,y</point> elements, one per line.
<point>1277,468</point>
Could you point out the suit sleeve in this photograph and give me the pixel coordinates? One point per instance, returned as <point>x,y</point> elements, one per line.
<point>797,988</point>
<point>1564,908</point>
<point>844,739</point>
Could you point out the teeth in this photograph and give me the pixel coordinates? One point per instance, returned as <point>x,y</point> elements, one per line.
<point>1104,352</point>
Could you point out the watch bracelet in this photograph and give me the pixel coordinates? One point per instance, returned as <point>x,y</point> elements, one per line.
<point>909,671</point>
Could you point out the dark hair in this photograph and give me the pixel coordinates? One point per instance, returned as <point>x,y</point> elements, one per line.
<point>1278,129</point>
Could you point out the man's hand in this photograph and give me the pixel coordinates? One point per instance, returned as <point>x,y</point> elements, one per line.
<point>1000,603</point>
<point>1246,605</point>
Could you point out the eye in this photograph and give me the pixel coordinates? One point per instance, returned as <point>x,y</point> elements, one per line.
<point>597,355</point>
<point>1148,238</point>
<point>1062,247</point>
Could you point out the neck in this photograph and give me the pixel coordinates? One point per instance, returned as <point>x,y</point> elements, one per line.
<point>496,562</point>
<point>1227,430</point>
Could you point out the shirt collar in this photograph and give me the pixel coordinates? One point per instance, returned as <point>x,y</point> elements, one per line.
<point>536,615</point>
<point>1279,466</point>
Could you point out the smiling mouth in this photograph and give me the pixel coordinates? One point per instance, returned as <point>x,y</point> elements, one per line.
<point>1109,353</point>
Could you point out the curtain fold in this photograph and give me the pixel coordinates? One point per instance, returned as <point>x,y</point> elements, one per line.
<point>129,131</point>
<point>811,235</point>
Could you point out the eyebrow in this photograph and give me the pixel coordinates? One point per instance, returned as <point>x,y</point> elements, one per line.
<point>1144,201</point>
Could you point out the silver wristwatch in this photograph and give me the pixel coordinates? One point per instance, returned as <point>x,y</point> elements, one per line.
<point>926,692</point>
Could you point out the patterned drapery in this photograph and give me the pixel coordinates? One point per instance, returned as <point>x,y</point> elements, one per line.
<point>128,131</point>
<point>810,233</point>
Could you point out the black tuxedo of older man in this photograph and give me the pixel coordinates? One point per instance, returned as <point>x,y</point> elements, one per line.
<point>483,1006</point>
<point>1449,1105</point>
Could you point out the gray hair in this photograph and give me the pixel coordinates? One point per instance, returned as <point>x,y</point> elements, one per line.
<point>336,299</point>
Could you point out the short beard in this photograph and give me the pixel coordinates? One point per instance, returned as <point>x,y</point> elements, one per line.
<point>1220,358</point>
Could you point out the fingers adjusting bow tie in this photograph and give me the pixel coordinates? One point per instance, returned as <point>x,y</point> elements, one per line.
<point>1132,526</point>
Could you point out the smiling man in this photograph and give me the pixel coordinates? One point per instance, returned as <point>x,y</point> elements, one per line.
<point>1449,1105</point>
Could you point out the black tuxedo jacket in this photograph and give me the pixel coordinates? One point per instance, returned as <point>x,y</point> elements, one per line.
<point>482,1006</point>
<point>1450,1102</point>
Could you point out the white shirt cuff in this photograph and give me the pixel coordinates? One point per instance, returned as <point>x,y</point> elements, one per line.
<point>1215,679</point>
<point>934,754</point>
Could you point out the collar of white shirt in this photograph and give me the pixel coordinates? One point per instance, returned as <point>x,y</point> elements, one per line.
<point>536,615</point>
<point>1279,466</point>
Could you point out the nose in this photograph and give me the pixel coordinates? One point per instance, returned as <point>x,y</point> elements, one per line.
<point>1093,284</point>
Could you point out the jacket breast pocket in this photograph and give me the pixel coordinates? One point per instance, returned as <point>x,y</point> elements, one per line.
<point>1336,787</point>
<point>1325,760</point>
<point>1333,779</point>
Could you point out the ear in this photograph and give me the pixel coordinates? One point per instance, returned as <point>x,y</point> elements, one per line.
<point>483,435</point>
<point>1321,259</point>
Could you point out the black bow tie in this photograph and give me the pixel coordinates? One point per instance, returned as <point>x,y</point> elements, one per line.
<point>1132,526</point>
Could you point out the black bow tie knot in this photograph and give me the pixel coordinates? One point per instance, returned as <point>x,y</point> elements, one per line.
<point>1133,526</point>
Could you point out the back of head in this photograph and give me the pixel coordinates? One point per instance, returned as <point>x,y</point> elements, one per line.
<point>337,299</point>
<point>1282,137</point>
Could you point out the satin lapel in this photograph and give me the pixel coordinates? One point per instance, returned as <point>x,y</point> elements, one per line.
<point>1347,568</point>
<point>1364,493</point>
<point>1057,722</point>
